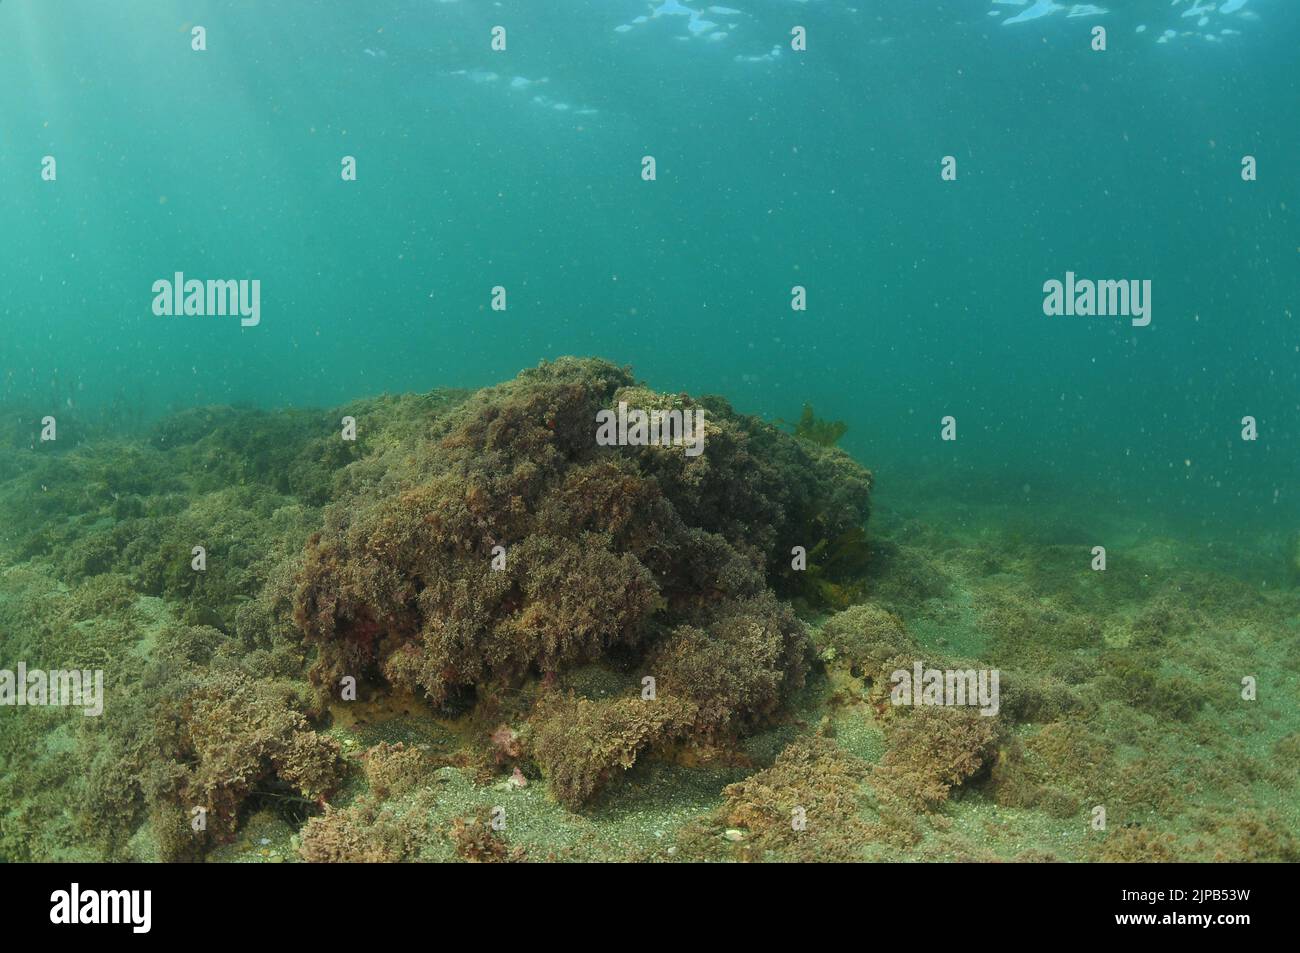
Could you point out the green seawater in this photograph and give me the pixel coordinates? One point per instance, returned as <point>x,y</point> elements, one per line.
<point>128,156</point>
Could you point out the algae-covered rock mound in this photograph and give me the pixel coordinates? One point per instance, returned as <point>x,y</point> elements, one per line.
<point>513,598</point>
<point>508,545</point>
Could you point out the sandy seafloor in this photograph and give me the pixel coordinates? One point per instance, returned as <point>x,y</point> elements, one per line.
<point>1122,688</point>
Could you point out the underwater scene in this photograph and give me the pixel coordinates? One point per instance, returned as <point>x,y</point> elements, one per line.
<point>649,431</point>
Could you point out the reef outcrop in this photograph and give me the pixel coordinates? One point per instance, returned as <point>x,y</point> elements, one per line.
<point>506,548</point>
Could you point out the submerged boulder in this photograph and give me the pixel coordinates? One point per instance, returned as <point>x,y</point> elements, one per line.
<point>508,544</point>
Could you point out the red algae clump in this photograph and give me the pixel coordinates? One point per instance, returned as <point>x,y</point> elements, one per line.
<point>507,545</point>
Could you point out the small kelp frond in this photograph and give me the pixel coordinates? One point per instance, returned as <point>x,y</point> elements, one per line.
<point>835,577</point>
<point>824,433</point>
